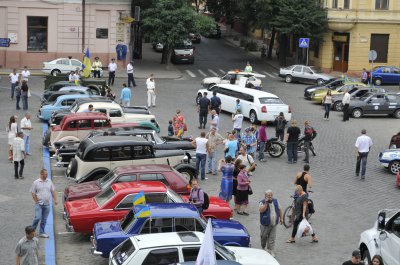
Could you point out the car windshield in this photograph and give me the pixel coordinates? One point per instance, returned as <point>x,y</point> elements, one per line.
<point>81,148</point>
<point>128,221</point>
<point>158,139</point>
<point>174,196</point>
<point>270,101</point>
<point>107,179</point>
<point>123,251</point>
<point>366,95</point>
<point>104,196</point>
<point>316,69</point>
<point>229,255</point>
<point>184,45</point>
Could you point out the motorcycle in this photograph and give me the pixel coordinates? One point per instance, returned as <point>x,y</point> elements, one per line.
<point>274,147</point>
<point>301,148</point>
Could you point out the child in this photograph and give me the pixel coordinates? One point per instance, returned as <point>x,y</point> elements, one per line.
<point>238,106</point>
<point>170,129</point>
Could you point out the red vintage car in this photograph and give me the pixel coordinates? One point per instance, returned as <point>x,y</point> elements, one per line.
<point>114,203</point>
<point>164,173</point>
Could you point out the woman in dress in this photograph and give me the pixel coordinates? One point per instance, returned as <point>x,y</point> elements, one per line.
<point>227,179</point>
<point>236,172</point>
<point>327,102</point>
<point>12,129</point>
<point>242,193</point>
<point>178,122</point>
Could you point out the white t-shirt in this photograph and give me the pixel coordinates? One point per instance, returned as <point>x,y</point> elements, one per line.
<point>129,68</point>
<point>363,143</point>
<point>245,160</point>
<point>201,145</point>
<point>346,98</point>
<point>237,121</point>
<point>14,77</point>
<point>112,67</point>
<point>215,121</point>
<point>25,74</point>
<point>26,123</point>
<point>76,77</point>
<point>150,84</point>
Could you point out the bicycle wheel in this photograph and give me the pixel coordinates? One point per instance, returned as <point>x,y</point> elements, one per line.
<point>288,217</point>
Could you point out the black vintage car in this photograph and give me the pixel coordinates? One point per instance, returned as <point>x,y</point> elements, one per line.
<point>355,93</point>
<point>330,84</point>
<point>376,104</point>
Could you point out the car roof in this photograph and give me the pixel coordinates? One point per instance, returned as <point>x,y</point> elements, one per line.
<point>64,59</point>
<point>146,168</point>
<point>91,115</point>
<point>118,140</point>
<point>72,96</point>
<point>173,210</point>
<point>94,99</point>
<point>253,92</point>
<point>126,130</point>
<point>138,186</point>
<point>74,88</point>
<point>168,239</point>
<point>101,103</point>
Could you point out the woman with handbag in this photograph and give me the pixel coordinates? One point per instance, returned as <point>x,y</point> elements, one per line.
<point>243,191</point>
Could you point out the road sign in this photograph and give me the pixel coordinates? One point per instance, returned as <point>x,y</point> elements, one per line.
<point>372,55</point>
<point>304,42</point>
<point>5,42</point>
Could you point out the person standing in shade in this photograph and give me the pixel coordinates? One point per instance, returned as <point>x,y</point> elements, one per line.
<point>248,68</point>
<point>25,74</point>
<point>151,91</point>
<point>363,146</point>
<point>214,139</point>
<point>26,127</point>
<point>97,66</point>
<point>346,103</point>
<point>262,139</point>
<point>202,108</point>
<point>270,216</point>
<point>24,95</point>
<point>27,249</point>
<point>202,148</point>
<point>214,124</point>
<point>196,196</point>
<point>280,125</point>
<point>292,140</point>
<point>215,103</point>
<point>112,67</point>
<point>129,70</point>
<point>126,96</point>
<point>17,151</point>
<point>42,189</point>
<point>327,102</point>
<point>14,78</point>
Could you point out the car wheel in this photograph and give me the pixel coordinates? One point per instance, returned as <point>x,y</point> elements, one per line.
<point>357,113</point>
<point>338,106</point>
<point>320,81</point>
<point>210,85</point>
<point>288,79</point>
<point>396,114</point>
<point>253,116</point>
<point>72,168</point>
<point>187,172</point>
<point>366,257</point>
<point>378,82</point>
<point>394,167</point>
<point>55,72</point>
<point>198,99</point>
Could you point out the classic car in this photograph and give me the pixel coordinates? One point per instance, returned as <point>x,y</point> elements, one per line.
<point>383,238</point>
<point>114,203</point>
<point>93,91</point>
<point>165,217</point>
<point>376,104</point>
<point>318,95</point>
<point>330,84</point>
<point>51,99</point>
<point>303,73</point>
<point>233,77</point>
<point>354,94</point>
<point>54,83</point>
<point>97,156</point>
<point>63,65</point>
<point>175,247</point>
<point>386,75</point>
<point>395,141</point>
<point>68,149</point>
<point>164,173</point>
<point>390,159</point>
<point>195,37</point>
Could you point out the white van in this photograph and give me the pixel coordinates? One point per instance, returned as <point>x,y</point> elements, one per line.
<point>183,53</point>
<point>255,104</point>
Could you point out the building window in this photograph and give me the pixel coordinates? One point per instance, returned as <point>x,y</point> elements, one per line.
<point>334,3</point>
<point>37,34</point>
<point>380,43</point>
<point>346,4</point>
<point>382,4</point>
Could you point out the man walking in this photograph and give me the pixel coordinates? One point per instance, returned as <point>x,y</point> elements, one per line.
<point>14,77</point>
<point>27,249</point>
<point>26,127</point>
<point>363,145</point>
<point>270,215</point>
<point>215,102</point>
<point>214,120</point>
<point>112,67</point>
<point>214,139</point>
<point>151,91</point>
<point>203,108</point>
<point>309,135</point>
<point>42,189</point>
<point>237,121</point>
<point>126,96</point>
<point>17,151</point>
<point>202,148</point>
<point>346,103</point>
<point>97,66</point>
<point>304,179</point>
<point>129,70</point>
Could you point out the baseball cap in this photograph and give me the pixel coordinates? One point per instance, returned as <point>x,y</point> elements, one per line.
<point>356,253</point>
<point>247,129</point>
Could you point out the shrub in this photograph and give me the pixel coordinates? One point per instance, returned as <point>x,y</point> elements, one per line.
<point>243,42</point>
<point>251,46</point>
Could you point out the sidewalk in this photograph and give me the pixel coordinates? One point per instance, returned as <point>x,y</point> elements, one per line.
<point>150,64</point>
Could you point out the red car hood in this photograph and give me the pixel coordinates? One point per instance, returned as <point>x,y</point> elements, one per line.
<point>81,191</point>
<point>80,207</point>
<point>218,208</point>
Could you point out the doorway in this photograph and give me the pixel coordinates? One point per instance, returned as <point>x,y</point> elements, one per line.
<point>340,52</point>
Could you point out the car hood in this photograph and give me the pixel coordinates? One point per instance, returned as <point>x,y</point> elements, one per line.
<point>253,256</point>
<point>325,76</point>
<point>139,117</point>
<point>81,191</point>
<point>209,80</point>
<point>79,207</point>
<point>107,229</point>
<point>228,227</point>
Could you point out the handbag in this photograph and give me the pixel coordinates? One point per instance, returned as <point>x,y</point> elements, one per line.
<point>249,190</point>
<point>250,164</point>
<point>29,93</point>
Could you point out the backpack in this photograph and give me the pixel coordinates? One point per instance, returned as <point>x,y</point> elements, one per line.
<point>280,126</point>
<point>206,203</point>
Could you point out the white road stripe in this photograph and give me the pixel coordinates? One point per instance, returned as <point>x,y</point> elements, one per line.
<point>190,73</point>
<point>268,74</point>
<point>222,71</point>
<point>201,72</point>
<point>211,71</point>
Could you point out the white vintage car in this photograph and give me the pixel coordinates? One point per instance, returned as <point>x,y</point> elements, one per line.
<point>303,73</point>
<point>233,77</point>
<point>390,159</point>
<point>382,239</point>
<point>63,66</point>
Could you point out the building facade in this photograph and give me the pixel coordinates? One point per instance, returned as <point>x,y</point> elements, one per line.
<point>49,29</point>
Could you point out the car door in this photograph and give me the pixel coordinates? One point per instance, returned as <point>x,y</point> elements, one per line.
<point>246,102</point>
<point>142,154</point>
<point>375,104</point>
<point>386,75</point>
<point>63,65</point>
<point>120,156</point>
<point>226,99</point>
<point>84,128</point>
<point>308,74</point>
<point>396,75</point>
<point>297,72</point>
<point>390,246</point>
<point>161,256</point>
<point>75,64</point>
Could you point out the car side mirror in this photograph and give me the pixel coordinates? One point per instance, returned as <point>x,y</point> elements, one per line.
<point>381,220</point>
<point>382,236</point>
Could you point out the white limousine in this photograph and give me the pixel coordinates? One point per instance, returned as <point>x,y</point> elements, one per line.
<point>255,104</point>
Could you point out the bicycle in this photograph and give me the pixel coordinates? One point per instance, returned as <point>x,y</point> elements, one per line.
<point>289,215</point>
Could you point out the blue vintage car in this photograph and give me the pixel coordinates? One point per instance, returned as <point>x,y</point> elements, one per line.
<point>390,159</point>
<point>386,75</point>
<point>62,102</point>
<point>165,217</point>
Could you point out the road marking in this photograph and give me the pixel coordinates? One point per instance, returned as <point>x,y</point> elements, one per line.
<point>222,71</point>
<point>190,73</point>
<point>268,74</point>
<point>211,71</point>
<point>201,72</point>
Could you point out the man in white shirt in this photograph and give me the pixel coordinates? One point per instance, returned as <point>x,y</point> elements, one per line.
<point>26,127</point>
<point>14,76</point>
<point>151,91</point>
<point>25,74</point>
<point>112,67</point>
<point>214,120</point>
<point>345,103</point>
<point>202,148</point>
<point>129,70</point>
<point>237,121</point>
<point>363,145</point>
<point>17,150</point>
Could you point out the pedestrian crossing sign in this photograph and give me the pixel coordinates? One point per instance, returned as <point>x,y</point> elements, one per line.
<point>304,42</point>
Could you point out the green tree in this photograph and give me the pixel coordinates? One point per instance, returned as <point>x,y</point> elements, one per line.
<point>170,22</point>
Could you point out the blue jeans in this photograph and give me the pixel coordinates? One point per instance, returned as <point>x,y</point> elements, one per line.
<point>261,151</point>
<point>361,161</point>
<point>27,139</point>
<point>292,151</point>
<point>24,101</point>
<point>327,109</point>
<point>13,85</point>
<point>212,161</point>
<point>41,214</point>
<point>201,158</point>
